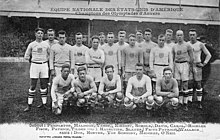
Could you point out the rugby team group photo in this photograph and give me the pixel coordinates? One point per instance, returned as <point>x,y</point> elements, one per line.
<point>132,73</point>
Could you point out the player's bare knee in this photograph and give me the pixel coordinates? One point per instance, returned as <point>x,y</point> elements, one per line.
<point>158,99</point>
<point>150,99</point>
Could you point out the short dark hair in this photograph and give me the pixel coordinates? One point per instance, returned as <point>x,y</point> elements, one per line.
<point>109,66</point>
<point>110,33</point>
<point>65,66</point>
<point>39,29</point>
<point>95,37</point>
<point>161,35</point>
<point>122,32</point>
<point>81,69</point>
<point>166,69</point>
<point>139,65</point>
<point>131,35</point>
<point>79,33</point>
<point>51,30</point>
<point>192,30</point>
<point>148,30</point>
<point>62,32</point>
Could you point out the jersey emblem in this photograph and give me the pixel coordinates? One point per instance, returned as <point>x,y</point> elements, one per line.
<point>39,50</point>
<point>79,54</point>
<point>131,55</point>
<point>110,53</point>
<point>147,50</point>
<point>161,55</point>
<point>179,52</point>
<point>140,89</point>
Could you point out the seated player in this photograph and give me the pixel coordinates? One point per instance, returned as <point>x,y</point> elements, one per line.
<point>167,91</point>
<point>85,90</point>
<point>110,87</point>
<point>139,90</point>
<point>62,88</point>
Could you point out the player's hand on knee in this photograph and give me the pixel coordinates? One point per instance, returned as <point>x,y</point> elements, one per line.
<point>81,95</point>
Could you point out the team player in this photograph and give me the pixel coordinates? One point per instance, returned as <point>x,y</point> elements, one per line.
<point>79,51</point>
<point>196,73</point>
<point>111,52</point>
<point>102,39</point>
<point>39,51</point>
<point>183,57</point>
<point>51,41</point>
<point>130,57</point>
<point>85,89</point>
<point>160,57</point>
<point>167,91</point>
<point>60,54</point>
<point>51,37</point>
<point>146,48</point>
<point>139,90</point>
<point>95,59</point>
<point>110,87</point>
<point>140,38</point>
<point>62,89</point>
<point>168,39</point>
<point>121,45</point>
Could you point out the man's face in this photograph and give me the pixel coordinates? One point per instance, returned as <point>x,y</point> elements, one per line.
<point>139,70</point>
<point>110,38</point>
<point>95,43</point>
<point>109,72</point>
<point>65,72</point>
<point>51,35</point>
<point>179,36</point>
<point>39,34</point>
<point>121,37</point>
<point>139,36</point>
<point>132,41</point>
<point>79,39</point>
<point>169,36</point>
<point>82,75</point>
<point>147,36</point>
<point>161,41</point>
<point>102,38</point>
<point>168,74</point>
<point>62,39</point>
<point>192,36</point>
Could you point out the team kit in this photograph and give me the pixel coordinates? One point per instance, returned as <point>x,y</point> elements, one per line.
<point>133,73</point>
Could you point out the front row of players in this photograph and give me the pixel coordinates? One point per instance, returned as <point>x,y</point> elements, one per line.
<point>84,94</point>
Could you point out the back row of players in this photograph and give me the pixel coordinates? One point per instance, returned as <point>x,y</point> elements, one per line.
<point>134,64</point>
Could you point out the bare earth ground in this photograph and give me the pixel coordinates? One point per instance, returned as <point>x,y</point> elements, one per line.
<point>14,86</point>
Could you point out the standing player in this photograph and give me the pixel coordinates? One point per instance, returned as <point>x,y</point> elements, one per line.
<point>121,45</point>
<point>51,41</point>
<point>51,37</point>
<point>102,39</point>
<point>95,59</point>
<point>167,91</point>
<point>39,51</point>
<point>110,86</point>
<point>60,54</point>
<point>140,38</point>
<point>168,40</point>
<point>79,51</point>
<point>146,48</point>
<point>139,90</point>
<point>62,89</point>
<point>183,57</point>
<point>160,57</point>
<point>85,90</point>
<point>130,56</point>
<point>196,73</point>
<point>111,53</point>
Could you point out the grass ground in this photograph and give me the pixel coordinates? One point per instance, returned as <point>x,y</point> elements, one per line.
<point>14,86</point>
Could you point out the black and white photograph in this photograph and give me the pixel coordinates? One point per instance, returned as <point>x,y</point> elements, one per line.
<point>109,69</point>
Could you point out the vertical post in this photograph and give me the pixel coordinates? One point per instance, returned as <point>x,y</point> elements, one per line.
<point>89,31</point>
